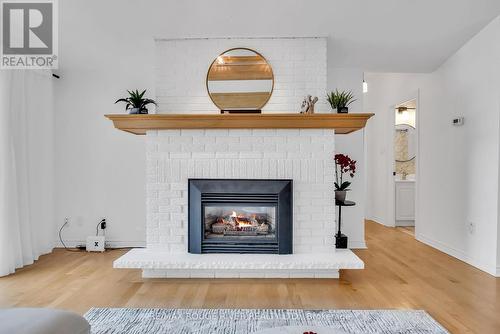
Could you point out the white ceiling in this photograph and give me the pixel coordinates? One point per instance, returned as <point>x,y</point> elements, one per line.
<point>376,35</point>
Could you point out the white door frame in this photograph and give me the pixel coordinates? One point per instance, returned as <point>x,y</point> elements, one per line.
<point>391,164</point>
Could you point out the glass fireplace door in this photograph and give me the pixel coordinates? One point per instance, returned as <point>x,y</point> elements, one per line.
<point>228,221</point>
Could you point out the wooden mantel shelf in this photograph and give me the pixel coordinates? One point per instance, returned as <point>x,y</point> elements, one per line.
<point>139,124</point>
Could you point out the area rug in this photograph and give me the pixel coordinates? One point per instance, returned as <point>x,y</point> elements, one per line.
<point>236,321</point>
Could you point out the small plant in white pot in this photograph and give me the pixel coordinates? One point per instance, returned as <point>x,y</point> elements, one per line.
<point>136,103</point>
<point>344,166</point>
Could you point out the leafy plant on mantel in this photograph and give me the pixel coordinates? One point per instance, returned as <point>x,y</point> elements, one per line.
<point>136,102</point>
<point>340,99</point>
<point>343,165</point>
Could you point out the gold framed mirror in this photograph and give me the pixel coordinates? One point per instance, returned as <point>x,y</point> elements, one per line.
<point>240,80</point>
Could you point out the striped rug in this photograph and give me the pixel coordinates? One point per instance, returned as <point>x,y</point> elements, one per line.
<point>232,321</point>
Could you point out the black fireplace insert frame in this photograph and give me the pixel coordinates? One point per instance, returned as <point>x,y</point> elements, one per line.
<point>277,191</point>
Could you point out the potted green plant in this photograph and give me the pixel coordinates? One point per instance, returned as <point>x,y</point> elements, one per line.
<point>136,103</point>
<point>344,165</point>
<point>340,100</point>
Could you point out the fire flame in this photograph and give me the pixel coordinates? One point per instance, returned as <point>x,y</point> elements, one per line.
<point>243,224</point>
<point>240,222</point>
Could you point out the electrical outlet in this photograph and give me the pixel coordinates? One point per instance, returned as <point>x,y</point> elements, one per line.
<point>471,227</point>
<point>67,221</point>
<point>103,223</point>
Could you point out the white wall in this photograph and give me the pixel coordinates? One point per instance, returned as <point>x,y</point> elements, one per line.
<point>458,166</point>
<point>106,48</point>
<point>385,91</point>
<point>100,172</point>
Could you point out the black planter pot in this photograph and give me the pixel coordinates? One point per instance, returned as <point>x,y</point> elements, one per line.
<point>342,110</point>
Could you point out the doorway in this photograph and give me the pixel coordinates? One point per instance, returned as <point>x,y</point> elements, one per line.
<point>404,163</point>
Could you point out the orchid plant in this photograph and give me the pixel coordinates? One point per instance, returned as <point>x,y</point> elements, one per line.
<point>344,165</point>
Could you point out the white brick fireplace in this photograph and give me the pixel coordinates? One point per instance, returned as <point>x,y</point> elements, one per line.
<point>305,156</point>
<point>302,155</point>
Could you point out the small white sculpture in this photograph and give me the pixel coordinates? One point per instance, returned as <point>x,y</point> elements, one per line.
<point>307,106</point>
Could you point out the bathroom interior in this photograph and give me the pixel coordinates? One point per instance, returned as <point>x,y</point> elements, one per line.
<point>405,156</point>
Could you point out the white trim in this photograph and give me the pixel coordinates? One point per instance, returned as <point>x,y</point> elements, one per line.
<point>390,214</point>
<point>357,244</point>
<point>391,122</point>
<point>418,112</point>
<point>498,272</point>
<point>457,253</point>
<point>109,243</point>
<point>379,221</point>
<point>405,223</point>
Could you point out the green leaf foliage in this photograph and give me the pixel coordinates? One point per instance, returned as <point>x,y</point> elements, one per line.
<point>344,186</point>
<point>340,99</point>
<point>136,100</point>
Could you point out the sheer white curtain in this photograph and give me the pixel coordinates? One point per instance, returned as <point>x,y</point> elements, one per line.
<point>27,227</point>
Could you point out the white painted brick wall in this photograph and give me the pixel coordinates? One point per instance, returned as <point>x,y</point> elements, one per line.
<point>299,66</point>
<point>306,156</point>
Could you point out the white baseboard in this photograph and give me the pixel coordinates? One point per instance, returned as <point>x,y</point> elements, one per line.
<point>456,253</point>
<point>355,244</point>
<point>405,223</point>
<point>378,221</point>
<point>109,243</point>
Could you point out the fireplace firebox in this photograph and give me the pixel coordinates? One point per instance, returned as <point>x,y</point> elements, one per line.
<point>240,216</point>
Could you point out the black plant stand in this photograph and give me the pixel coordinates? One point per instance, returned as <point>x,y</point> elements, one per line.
<point>341,239</point>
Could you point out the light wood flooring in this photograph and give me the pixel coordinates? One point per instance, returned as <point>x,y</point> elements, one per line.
<point>407,229</point>
<point>401,273</point>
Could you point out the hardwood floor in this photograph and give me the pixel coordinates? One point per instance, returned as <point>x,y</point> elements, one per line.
<point>407,229</point>
<point>400,273</point>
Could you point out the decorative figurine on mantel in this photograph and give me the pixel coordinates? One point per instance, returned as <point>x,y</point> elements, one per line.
<point>307,106</point>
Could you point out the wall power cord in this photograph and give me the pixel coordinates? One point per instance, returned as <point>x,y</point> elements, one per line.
<point>77,248</point>
<point>102,225</point>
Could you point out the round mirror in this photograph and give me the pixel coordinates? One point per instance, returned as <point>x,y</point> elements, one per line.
<point>240,80</point>
<point>404,143</point>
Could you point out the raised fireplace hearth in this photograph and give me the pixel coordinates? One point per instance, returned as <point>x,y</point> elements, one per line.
<point>240,216</point>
